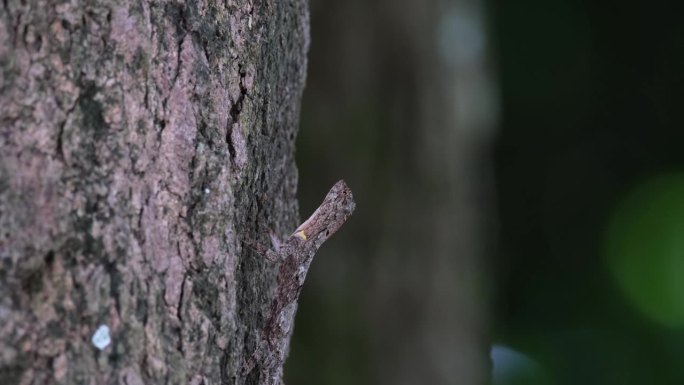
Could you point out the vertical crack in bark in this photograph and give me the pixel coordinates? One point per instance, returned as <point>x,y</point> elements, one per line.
<point>179,310</point>
<point>183,26</point>
<point>146,98</point>
<point>162,126</point>
<point>179,59</point>
<point>140,233</point>
<point>114,282</point>
<point>60,142</point>
<point>205,49</point>
<point>235,110</point>
<point>145,365</point>
<point>229,141</point>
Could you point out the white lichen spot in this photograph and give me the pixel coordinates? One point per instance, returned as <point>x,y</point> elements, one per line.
<point>101,338</point>
<point>207,191</point>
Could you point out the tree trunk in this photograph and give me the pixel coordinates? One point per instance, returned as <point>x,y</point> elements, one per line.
<point>407,87</point>
<point>430,266</point>
<point>142,143</point>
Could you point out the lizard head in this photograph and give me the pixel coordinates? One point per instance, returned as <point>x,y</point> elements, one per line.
<point>336,208</point>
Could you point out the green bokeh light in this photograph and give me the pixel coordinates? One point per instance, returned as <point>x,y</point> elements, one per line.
<point>645,248</point>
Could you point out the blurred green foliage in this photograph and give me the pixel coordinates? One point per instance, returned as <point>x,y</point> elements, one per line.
<point>591,101</point>
<point>645,248</point>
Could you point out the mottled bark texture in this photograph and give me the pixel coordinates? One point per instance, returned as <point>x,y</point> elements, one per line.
<point>142,142</point>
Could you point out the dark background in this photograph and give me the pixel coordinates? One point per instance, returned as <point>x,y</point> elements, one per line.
<point>580,247</point>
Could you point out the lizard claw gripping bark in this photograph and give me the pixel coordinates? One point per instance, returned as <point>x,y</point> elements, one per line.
<point>295,256</point>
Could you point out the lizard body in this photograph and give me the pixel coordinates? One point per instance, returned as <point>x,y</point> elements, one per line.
<point>295,256</point>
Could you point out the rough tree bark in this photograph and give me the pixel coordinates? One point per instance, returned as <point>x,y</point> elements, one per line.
<point>142,142</point>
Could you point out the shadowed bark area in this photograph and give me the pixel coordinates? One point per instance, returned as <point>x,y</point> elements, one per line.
<point>141,144</point>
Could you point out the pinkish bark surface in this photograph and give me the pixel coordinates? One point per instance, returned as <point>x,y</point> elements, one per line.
<point>141,144</point>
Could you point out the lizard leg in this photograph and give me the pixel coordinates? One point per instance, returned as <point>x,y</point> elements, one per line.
<point>275,240</point>
<point>263,251</point>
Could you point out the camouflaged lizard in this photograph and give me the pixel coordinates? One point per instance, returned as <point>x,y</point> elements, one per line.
<point>295,256</point>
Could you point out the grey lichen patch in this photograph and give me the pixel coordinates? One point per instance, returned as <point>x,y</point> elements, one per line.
<point>101,338</point>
